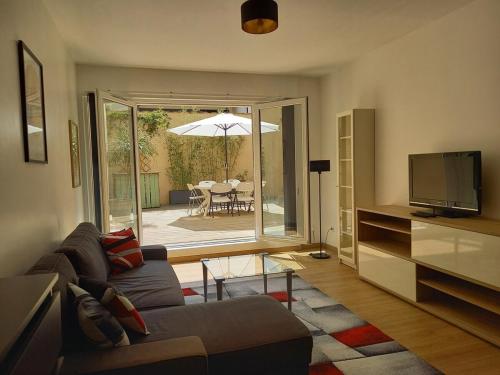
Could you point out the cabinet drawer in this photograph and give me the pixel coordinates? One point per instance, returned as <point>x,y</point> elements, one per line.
<point>390,272</point>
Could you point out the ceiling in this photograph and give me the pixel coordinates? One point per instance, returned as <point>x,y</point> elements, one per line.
<point>313,35</point>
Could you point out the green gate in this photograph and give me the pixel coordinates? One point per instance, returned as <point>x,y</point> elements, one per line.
<point>150,190</point>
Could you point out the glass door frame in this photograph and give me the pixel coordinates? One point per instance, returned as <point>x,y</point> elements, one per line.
<point>103,96</point>
<point>256,140</point>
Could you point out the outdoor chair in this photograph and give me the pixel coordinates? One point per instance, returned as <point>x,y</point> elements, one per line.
<point>244,195</point>
<point>220,195</point>
<point>194,199</point>
<point>234,182</point>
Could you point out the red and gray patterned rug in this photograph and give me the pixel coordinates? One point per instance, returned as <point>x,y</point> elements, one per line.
<point>343,342</point>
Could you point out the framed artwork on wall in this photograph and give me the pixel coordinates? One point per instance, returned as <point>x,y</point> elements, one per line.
<point>32,105</point>
<point>74,148</point>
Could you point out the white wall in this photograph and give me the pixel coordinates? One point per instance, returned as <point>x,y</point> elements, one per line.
<point>436,89</point>
<point>38,206</point>
<point>116,79</point>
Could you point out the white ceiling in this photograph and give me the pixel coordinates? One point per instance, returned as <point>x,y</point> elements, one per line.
<point>313,35</point>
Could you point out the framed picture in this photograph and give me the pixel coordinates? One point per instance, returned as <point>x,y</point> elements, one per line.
<point>74,149</point>
<point>32,105</point>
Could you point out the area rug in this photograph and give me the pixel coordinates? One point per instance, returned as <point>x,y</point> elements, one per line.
<point>343,343</point>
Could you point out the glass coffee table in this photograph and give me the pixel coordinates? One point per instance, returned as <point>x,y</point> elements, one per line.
<point>239,266</point>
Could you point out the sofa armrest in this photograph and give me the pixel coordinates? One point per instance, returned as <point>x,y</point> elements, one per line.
<point>154,252</point>
<point>183,355</point>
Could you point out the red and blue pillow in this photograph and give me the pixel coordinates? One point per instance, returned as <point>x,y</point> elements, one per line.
<point>123,250</point>
<point>117,304</point>
<point>97,323</point>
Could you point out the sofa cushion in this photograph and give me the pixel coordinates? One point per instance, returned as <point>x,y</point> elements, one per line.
<point>236,332</point>
<point>152,285</point>
<point>123,250</point>
<point>83,249</point>
<point>117,304</point>
<point>96,322</point>
<point>154,252</point>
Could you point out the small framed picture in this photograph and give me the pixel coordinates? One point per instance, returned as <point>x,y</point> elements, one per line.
<point>32,105</point>
<point>74,148</point>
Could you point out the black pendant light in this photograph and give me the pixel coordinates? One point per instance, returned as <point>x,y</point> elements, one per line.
<point>259,16</point>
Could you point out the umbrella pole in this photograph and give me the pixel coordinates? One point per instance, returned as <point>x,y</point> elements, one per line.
<point>225,145</point>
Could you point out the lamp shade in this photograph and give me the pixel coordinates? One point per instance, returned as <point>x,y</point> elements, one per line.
<point>319,166</point>
<point>259,16</point>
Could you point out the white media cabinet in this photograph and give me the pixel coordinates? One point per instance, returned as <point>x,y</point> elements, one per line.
<point>449,267</point>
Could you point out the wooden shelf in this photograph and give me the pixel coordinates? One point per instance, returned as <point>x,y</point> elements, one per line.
<point>473,319</point>
<point>345,137</point>
<point>479,224</point>
<point>396,226</point>
<point>346,187</point>
<point>480,296</point>
<point>346,233</point>
<point>395,248</point>
<point>345,159</point>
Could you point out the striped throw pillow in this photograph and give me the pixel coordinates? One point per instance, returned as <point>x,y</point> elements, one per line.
<point>96,322</point>
<point>117,304</point>
<point>123,250</point>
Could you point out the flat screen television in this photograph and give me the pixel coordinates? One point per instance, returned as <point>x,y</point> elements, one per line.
<point>449,182</point>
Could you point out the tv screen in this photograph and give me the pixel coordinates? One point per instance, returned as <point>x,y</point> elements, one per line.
<point>450,181</point>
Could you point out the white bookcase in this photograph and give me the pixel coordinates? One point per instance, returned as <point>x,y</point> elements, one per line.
<point>355,175</point>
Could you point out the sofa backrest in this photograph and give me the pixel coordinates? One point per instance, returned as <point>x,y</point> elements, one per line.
<point>58,263</point>
<point>83,249</point>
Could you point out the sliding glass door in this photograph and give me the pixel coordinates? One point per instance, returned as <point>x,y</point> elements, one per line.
<point>118,161</point>
<point>281,161</point>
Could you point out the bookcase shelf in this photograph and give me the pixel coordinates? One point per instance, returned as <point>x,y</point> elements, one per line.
<point>464,290</point>
<point>393,225</point>
<point>470,317</point>
<point>383,233</point>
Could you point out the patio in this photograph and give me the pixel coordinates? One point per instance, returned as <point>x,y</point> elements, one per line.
<point>172,225</point>
<point>185,145</point>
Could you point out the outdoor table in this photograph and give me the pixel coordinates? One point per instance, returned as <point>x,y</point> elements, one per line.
<point>205,190</point>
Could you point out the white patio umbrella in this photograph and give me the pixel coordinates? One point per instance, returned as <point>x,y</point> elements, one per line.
<point>34,129</point>
<point>222,125</point>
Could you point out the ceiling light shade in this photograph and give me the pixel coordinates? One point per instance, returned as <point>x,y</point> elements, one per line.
<point>259,16</point>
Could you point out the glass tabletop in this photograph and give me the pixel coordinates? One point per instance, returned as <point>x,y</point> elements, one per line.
<point>233,267</point>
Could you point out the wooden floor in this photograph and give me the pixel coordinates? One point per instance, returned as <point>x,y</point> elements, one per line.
<point>443,345</point>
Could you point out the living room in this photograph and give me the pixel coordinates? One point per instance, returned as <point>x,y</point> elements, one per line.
<point>429,70</point>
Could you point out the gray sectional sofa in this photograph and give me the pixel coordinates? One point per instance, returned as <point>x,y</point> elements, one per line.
<point>249,335</point>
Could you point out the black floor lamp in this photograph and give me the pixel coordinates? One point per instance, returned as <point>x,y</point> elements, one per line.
<point>319,166</point>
